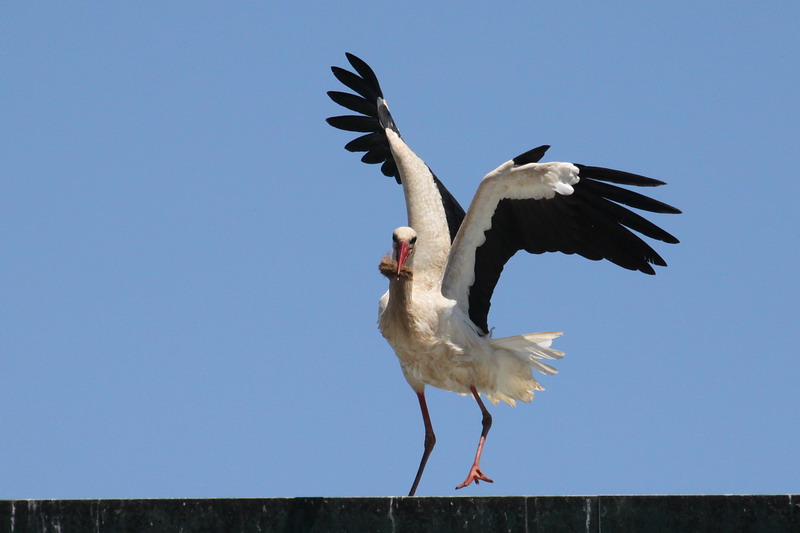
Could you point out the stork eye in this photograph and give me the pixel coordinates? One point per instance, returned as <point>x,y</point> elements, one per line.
<point>394,237</point>
<point>413,240</point>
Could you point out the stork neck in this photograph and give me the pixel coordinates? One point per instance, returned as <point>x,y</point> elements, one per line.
<point>400,300</point>
<point>400,291</point>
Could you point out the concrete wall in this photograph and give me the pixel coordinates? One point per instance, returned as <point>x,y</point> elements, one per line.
<point>533,514</point>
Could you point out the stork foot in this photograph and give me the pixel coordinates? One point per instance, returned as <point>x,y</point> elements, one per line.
<point>475,475</point>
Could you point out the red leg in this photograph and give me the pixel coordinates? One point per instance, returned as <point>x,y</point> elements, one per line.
<point>430,440</point>
<point>475,473</point>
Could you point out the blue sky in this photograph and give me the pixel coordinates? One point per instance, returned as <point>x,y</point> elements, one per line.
<point>189,277</point>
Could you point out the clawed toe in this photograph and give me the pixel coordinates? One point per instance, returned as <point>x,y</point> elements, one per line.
<point>475,475</point>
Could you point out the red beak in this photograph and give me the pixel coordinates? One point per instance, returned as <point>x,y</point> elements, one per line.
<point>402,255</point>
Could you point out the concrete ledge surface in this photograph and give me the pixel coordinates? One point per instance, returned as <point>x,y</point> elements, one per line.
<point>532,514</point>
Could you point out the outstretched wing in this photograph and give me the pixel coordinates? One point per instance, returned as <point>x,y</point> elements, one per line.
<point>372,121</point>
<point>549,207</point>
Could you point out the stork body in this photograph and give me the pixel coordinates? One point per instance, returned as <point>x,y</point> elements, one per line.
<point>446,262</point>
<point>425,318</point>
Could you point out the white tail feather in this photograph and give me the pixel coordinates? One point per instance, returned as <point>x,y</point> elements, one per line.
<point>518,383</point>
<point>532,347</point>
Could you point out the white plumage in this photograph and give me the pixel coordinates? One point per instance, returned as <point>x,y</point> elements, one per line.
<point>446,263</point>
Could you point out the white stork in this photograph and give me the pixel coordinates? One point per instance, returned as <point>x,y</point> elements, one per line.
<point>445,266</point>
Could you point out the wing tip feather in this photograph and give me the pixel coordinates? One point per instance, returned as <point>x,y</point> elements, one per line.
<point>533,155</point>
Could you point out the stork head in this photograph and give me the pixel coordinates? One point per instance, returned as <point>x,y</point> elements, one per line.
<point>404,240</point>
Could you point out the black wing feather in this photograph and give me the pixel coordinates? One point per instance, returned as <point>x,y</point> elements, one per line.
<point>624,196</point>
<point>353,102</point>
<point>364,70</point>
<point>368,91</point>
<point>634,221</point>
<point>376,155</point>
<point>354,123</point>
<point>617,176</point>
<point>359,85</point>
<point>365,143</point>
<point>532,156</point>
